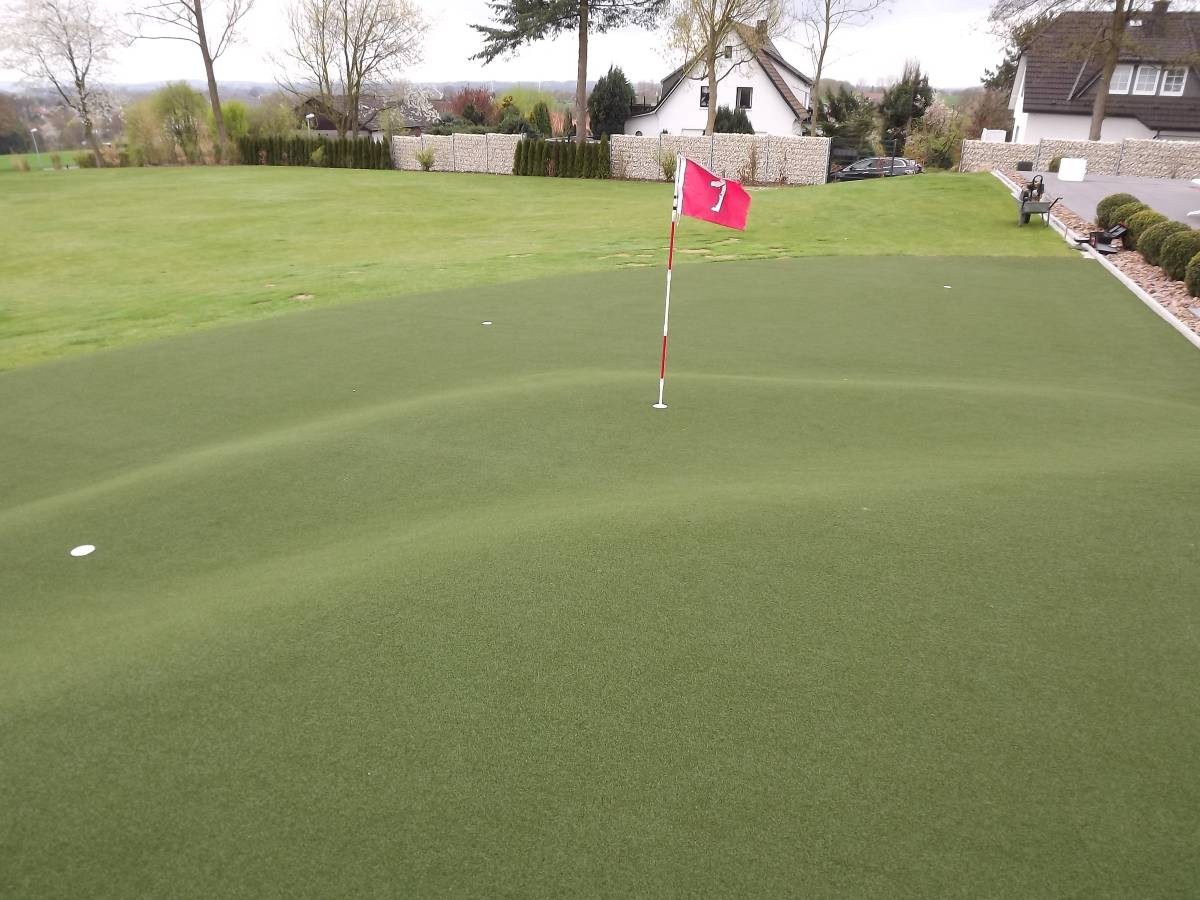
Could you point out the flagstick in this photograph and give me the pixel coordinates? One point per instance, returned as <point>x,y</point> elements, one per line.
<point>680,163</point>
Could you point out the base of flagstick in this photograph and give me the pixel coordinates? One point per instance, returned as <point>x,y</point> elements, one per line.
<point>659,406</point>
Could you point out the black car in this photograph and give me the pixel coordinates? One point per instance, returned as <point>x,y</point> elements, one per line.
<point>877,167</point>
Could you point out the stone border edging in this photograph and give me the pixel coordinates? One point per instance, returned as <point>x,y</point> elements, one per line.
<point>1058,225</point>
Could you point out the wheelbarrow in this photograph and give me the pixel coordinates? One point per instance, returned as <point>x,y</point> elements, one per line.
<point>1032,202</point>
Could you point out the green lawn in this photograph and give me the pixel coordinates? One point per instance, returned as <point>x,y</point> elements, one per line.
<point>34,159</point>
<point>111,258</point>
<point>898,598</point>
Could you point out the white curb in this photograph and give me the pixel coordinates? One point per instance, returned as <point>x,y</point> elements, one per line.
<point>1162,312</point>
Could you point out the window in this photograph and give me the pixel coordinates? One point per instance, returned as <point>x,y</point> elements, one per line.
<point>744,96</point>
<point>1147,80</point>
<point>1122,75</point>
<point>1173,81</point>
<point>729,51</point>
<point>704,96</point>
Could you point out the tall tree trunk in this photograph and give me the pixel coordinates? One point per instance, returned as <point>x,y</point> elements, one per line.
<point>712,87</point>
<point>89,135</point>
<point>214,98</point>
<point>1112,52</point>
<point>581,76</point>
<point>815,96</point>
<point>85,116</point>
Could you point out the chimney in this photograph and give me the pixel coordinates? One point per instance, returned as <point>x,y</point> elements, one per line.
<point>1156,21</point>
<point>761,29</point>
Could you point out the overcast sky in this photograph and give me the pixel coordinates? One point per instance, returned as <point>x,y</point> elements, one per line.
<point>950,37</point>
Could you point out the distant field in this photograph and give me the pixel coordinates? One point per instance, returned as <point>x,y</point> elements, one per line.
<point>115,257</point>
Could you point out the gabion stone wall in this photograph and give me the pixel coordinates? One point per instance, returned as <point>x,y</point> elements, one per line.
<point>983,156</point>
<point>745,157</point>
<point>458,152</point>
<point>1158,159</point>
<point>1103,157</point>
<point>1162,159</point>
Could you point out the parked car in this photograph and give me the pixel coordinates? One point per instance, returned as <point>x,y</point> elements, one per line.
<point>877,167</point>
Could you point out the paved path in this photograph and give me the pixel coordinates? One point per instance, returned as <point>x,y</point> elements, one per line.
<point>1173,198</point>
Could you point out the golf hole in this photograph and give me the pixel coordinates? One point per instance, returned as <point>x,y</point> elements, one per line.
<point>83,550</point>
<point>488,322</point>
<point>946,286</point>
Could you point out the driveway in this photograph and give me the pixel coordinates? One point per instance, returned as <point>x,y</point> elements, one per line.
<point>1173,198</point>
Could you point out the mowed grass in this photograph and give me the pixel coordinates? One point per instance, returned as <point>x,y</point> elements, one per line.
<point>898,598</point>
<point>109,258</point>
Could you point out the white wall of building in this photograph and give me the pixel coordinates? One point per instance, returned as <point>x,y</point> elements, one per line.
<point>1047,126</point>
<point>682,113</point>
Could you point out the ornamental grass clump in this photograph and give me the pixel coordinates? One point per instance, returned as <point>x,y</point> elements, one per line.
<point>425,158</point>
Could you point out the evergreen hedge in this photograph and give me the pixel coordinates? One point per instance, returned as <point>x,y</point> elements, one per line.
<point>1193,276</point>
<point>1150,242</point>
<point>561,159</point>
<point>337,153</point>
<point>1106,207</point>
<point>1122,214</point>
<point>1178,252</point>
<point>1138,223</point>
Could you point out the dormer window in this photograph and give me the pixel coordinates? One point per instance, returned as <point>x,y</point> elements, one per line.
<point>729,51</point>
<point>1146,82</point>
<point>1121,77</point>
<point>1174,81</point>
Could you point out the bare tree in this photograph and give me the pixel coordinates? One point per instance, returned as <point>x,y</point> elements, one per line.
<point>820,21</point>
<point>66,43</point>
<point>715,37</point>
<point>184,20</point>
<point>341,49</point>
<point>1110,38</point>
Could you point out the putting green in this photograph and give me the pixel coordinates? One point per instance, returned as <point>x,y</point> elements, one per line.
<point>898,598</point>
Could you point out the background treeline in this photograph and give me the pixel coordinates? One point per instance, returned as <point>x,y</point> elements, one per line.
<point>333,153</point>
<point>563,159</point>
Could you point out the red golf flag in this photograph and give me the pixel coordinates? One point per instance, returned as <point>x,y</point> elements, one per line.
<point>712,198</point>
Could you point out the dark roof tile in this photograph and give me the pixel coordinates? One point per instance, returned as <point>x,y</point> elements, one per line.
<point>1062,68</point>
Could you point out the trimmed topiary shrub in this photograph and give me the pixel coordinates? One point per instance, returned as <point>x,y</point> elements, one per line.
<point>519,159</point>
<point>1122,214</point>
<point>1150,242</point>
<point>1055,164</point>
<point>604,163</point>
<point>1106,207</point>
<point>1138,224</point>
<point>1193,276</point>
<point>1178,251</point>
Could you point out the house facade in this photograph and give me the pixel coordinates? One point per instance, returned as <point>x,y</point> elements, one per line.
<point>1155,89</point>
<point>754,77</point>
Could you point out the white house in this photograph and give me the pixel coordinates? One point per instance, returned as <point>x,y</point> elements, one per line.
<point>774,93</point>
<point>1155,88</point>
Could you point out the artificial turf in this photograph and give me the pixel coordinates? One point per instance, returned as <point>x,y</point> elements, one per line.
<point>897,599</point>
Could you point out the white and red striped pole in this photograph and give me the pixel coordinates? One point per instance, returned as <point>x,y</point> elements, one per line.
<point>680,165</point>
